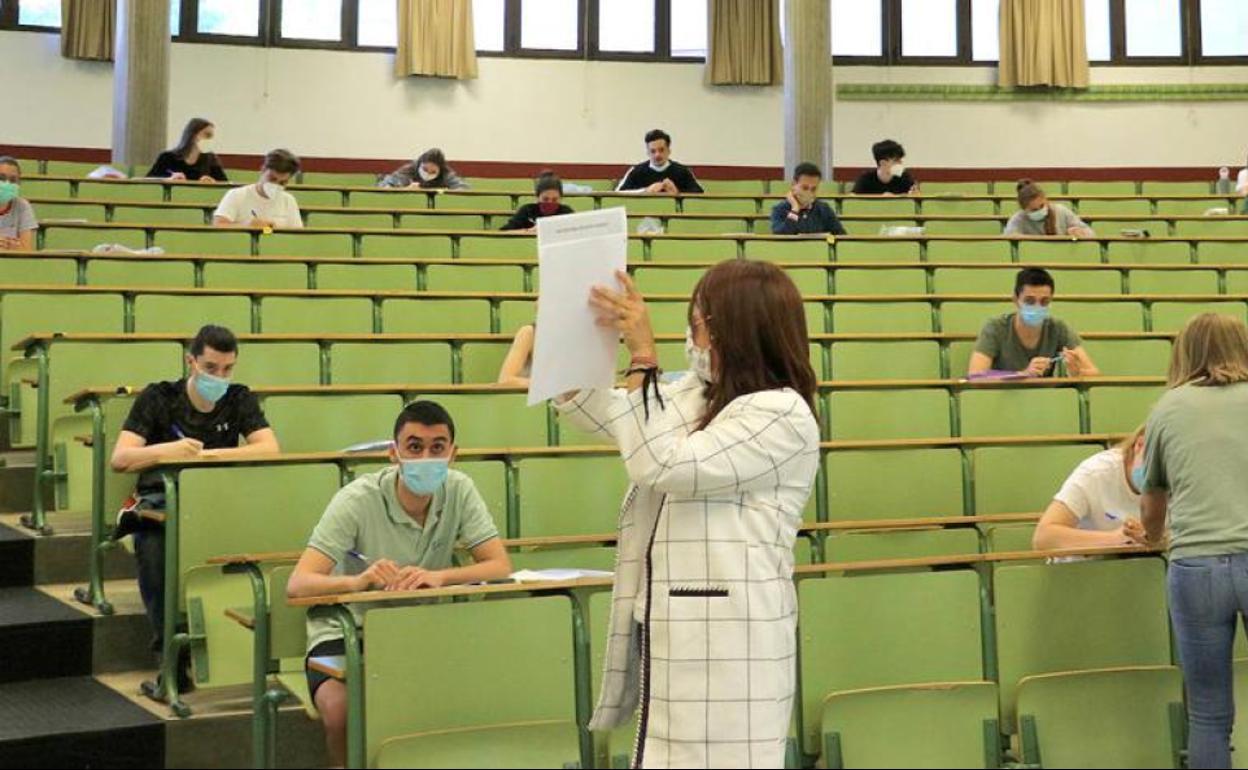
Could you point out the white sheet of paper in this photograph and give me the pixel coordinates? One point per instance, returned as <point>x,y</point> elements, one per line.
<point>575,252</point>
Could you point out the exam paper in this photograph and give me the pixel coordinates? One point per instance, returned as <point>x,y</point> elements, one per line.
<point>575,252</point>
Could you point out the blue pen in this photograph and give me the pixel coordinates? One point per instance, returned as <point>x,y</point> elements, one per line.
<point>178,431</point>
<point>1112,516</point>
<point>360,556</point>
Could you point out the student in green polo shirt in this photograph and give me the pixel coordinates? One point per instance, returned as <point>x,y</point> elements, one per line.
<point>1029,340</point>
<point>394,530</point>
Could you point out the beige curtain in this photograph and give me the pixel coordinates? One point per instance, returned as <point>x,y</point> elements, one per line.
<point>87,29</point>
<point>1043,43</point>
<point>744,40</point>
<point>436,39</point>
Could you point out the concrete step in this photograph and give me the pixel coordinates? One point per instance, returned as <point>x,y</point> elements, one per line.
<point>62,557</point>
<point>17,481</point>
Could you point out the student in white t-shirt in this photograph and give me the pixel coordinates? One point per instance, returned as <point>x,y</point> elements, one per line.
<point>265,203</point>
<point>1099,505</point>
<point>1241,183</point>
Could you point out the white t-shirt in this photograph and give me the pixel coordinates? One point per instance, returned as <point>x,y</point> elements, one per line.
<point>243,204</point>
<point>1241,182</point>
<point>1098,494</point>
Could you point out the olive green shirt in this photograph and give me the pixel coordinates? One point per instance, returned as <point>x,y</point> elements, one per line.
<point>1196,448</point>
<point>1000,342</point>
<point>365,517</point>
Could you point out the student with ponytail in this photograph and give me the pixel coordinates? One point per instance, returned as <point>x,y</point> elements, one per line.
<point>1036,216</point>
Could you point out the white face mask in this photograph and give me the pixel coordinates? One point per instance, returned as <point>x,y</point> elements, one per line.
<point>699,359</point>
<point>1039,215</point>
<point>898,169</point>
<point>427,176</point>
<point>205,144</point>
<point>662,168</point>
<point>271,189</point>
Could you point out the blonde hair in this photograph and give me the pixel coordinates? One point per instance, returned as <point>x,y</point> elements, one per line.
<point>1211,350</point>
<point>1127,447</point>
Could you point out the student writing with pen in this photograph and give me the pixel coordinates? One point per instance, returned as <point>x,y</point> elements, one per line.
<point>1029,340</point>
<point>394,530</point>
<point>266,203</point>
<point>204,414</point>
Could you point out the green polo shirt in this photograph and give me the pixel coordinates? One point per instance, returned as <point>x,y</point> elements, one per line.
<point>365,517</point>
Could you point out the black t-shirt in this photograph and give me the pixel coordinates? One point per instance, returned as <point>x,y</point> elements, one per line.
<point>163,405</point>
<point>169,162</point>
<point>869,184</point>
<point>641,176</point>
<point>527,215</point>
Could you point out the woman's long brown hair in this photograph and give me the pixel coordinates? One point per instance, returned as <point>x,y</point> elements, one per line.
<point>1028,191</point>
<point>757,324</point>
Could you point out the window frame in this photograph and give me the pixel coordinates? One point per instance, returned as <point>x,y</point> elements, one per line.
<point>1197,44</point>
<point>10,14</point>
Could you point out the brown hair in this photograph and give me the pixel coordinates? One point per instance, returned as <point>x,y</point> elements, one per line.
<point>757,324</point>
<point>187,142</point>
<point>282,161</point>
<point>1211,350</point>
<point>1127,446</point>
<point>9,160</point>
<point>1028,191</point>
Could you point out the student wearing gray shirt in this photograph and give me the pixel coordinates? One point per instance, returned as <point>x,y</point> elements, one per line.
<point>1039,217</point>
<point>1196,473</point>
<point>394,530</point>
<point>17,217</point>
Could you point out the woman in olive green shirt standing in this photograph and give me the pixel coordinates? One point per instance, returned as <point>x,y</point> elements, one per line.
<point>1196,458</point>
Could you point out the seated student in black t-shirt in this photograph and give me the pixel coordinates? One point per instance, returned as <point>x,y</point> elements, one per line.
<point>193,158</point>
<point>889,177</point>
<point>660,174</point>
<point>203,415</point>
<point>549,190</point>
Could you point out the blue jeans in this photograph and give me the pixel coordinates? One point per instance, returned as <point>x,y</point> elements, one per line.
<point>1208,594</point>
<point>149,553</point>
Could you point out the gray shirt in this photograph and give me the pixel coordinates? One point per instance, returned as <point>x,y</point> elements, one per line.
<point>365,517</point>
<point>407,175</point>
<point>1196,448</point>
<point>1021,224</point>
<point>1000,342</point>
<point>18,219</point>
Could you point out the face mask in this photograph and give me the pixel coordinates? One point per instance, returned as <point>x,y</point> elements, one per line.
<point>205,145</point>
<point>424,477</point>
<point>661,168</point>
<point>8,192</point>
<point>898,170</point>
<point>427,176</point>
<point>1039,215</point>
<point>210,388</point>
<point>548,207</point>
<point>804,197</point>
<point>1137,478</point>
<point>1033,315</point>
<point>699,359</point>
<point>271,189</point>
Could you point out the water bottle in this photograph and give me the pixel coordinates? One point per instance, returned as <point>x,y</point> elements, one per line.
<point>1223,185</point>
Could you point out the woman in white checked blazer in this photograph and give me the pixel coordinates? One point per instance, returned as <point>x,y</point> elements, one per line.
<point>704,612</point>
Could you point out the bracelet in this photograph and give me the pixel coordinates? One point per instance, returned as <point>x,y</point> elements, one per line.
<point>629,372</point>
<point>644,361</point>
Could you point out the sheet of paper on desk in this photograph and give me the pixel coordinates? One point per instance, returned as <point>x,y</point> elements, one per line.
<point>540,575</point>
<point>575,252</point>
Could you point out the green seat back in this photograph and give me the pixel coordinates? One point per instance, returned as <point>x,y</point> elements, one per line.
<point>970,317</point>
<point>79,238</point>
<point>435,316</point>
<point>115,190</point>
<point>693,205</point>
<point>1192,207</point>
<point>472,202</point>
<point>38,270</point>
<point>1173,281</point>
<point>316,315</point>
<point>540,743</point>
<point>717,226</point>
<point>1019,411</point>
<point>182,314</point>
<point>1077,616</point>
<point>902,360</point>
<point>255,275</point>
<point>1102,316</point>
<point>868,317</point>
<point>788,250</point>
<point>204,242</point>
<point>366,277</point>
<point>363,363</point>
<point>278,363</point>
<point>1121,409</point>
<point>1222,253</point>
<point>877,251</point>
<point>509,423</point>
<point>1003,538</point>
<point>969,251</point>
<point>340,219</point>
<point>445,220</point>
<point>693,250</point>
<point>1076,187</point>
<point>855,493</point>
<point>900,544</point>
<point>640,203</point>
<point>304,244</point>
<point>481,361</point>
<point>1212,227</point>
<point>1023,479</point>
<point>499,246</point>
<point>956,207</point>
<point>1175,188</point>
<point>889,414</point>
<point>1091,207</point>
<point>340,420</point>
<point>161,215</point>
<point>1171,316</point>
<point>990,227</point>
<point>405,246</point>
<point>879,206</point>
<point>134,272</point>
<point>1059,251</point>
<point>1130,358</point>
<point>570,495</point>
<point>874,281</point>
<point>1145,252</point>
<point>69,210</point>
<point>475,278</point>
<point>532,681</point>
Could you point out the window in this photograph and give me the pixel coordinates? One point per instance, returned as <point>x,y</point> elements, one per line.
<point>1096,25</point>
<point>550,25</point>
<point>1223,28</point>
<point>857,28</point>
<point>312,20</point>
<point>689,25</point>
<point>175,17</point>
<point>489,19</point>
<point>1154,28</point>
<point>39,13</point>
<point>234,18</point>
<point>986,30</point>
<point>379,23</point>
<point>626,26</point>
<point>929,28</point>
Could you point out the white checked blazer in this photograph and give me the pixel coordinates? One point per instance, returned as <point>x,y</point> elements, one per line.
<point>706,546</point>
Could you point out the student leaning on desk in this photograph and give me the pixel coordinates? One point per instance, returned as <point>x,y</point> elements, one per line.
<point>395,530</point>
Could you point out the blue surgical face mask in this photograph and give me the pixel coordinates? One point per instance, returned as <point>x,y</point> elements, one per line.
<point>9,192</point>
<point>424,477</point>
<point>210,388</point>
<point>1137,478</point>
<point>1039,215</point>
<point>1033,315</point>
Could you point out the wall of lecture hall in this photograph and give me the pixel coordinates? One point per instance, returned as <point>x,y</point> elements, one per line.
<point>349,105</point>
